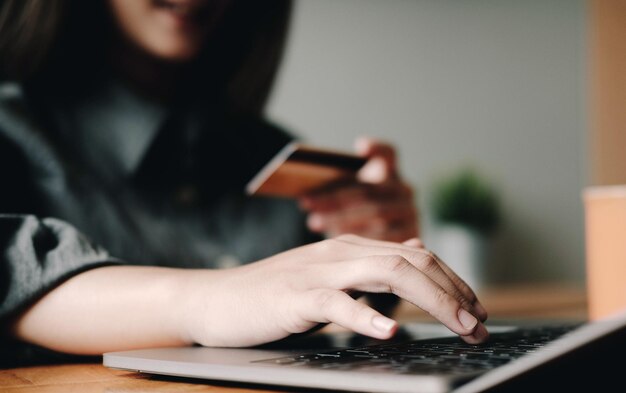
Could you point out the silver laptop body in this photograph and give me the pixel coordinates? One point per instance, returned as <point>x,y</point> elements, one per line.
<point>275,366</point>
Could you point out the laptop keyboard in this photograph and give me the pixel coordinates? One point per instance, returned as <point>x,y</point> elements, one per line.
<point>435,356</point>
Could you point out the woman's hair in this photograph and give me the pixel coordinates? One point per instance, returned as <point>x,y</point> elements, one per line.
<point>27,30</point>
<point>64,41</point>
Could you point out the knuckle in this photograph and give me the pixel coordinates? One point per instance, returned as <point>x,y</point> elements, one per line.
<point>427,262</point>
<point>464,302</point>
<point>443,300</point>
<point>359,313</point>
<point>325,299</point>
<point>395,264</point>
<point>465,290</point>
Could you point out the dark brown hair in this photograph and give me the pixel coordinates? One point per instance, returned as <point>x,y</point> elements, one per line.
<point>64,40</point>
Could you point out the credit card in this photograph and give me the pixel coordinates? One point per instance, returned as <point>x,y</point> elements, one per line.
<point>299,169</point>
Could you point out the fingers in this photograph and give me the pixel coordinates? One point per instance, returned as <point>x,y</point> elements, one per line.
<point>328,305</point>
<point>423,260</point>
<point>355,194</point>
<point>380,205</point>
<point>382,165</point>
<point>336,198</point>
<point>396,232</point>
<point>413,242</point>
<point>460,283</point>
<point>479,335</point>
<point>382,211</point>
<point>481,312</point>
<point>395,274</point>
<point>380,221</point>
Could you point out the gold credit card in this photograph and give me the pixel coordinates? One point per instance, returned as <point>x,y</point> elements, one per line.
<point>300,169</point>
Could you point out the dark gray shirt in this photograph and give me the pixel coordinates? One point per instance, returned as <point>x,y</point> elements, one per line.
<point>106,176</point>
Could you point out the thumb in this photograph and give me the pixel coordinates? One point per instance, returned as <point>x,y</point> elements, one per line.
<point>381,165</point>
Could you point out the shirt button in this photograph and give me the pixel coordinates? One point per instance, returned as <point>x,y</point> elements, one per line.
<point>227,261</point>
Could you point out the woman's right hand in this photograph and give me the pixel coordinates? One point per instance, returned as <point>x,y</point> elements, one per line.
<point>294,291</point>
<point>115,308</point>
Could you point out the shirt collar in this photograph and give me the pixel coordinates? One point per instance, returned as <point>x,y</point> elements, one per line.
<point>114,126</point>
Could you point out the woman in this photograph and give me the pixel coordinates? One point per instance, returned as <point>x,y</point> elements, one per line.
<point>127,132</point>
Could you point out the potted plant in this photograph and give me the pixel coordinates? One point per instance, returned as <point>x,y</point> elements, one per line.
<point>465,208</point>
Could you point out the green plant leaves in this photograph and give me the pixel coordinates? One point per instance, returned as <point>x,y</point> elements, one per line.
<point>466,199</point>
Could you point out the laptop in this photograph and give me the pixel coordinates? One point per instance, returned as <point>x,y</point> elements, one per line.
<point>423,357</point>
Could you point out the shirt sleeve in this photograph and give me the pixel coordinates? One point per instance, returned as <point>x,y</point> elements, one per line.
<point>38,254</point>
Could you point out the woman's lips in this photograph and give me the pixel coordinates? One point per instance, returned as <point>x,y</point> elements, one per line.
<point>181,8</point>
<point>183,13</point>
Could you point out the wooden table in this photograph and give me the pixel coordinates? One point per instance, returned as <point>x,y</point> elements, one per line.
<point>541,301</point>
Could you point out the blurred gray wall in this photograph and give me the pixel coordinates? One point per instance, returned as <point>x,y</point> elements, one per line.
<point>496,84</point>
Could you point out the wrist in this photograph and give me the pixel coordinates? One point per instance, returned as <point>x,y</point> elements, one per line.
<point>195,297</point>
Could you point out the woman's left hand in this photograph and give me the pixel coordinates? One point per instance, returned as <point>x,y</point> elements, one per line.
<point>378,205</point>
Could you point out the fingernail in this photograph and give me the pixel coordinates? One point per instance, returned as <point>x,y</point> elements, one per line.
<point>467,320</point>
<point>383,324</point>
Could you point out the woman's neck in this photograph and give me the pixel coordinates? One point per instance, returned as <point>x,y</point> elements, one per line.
<point>157,79</point>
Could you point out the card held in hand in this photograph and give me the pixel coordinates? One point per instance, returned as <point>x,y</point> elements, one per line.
<point>299,169</point>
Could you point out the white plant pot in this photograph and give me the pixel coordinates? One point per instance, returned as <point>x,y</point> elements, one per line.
<point>464,250</point>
